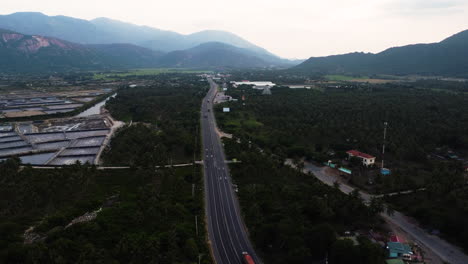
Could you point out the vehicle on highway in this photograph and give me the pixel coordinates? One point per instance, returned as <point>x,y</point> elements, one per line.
<point>247,258</point>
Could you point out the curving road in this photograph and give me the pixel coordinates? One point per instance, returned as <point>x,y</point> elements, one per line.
<point>226,231</point>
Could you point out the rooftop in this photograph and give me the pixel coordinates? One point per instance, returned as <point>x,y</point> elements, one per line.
<point>359,154</point>
<point>398,247</point>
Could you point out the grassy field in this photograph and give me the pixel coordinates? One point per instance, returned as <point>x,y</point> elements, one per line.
<point>361,79</point>
<point>339,78</point>
<point>142,72</point>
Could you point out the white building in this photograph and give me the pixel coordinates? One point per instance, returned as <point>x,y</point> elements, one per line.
<point>367,159</point>
<point>256,85</point>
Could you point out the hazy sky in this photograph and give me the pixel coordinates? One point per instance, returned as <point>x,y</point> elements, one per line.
<point>288,28</point>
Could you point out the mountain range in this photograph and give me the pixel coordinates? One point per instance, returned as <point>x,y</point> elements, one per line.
<point>34,53</point>
<point>228,48</point>
<point>448,57</point>
<point>37,42</point>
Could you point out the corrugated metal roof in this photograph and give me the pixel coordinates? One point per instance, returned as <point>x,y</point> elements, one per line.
<point>359,154</point>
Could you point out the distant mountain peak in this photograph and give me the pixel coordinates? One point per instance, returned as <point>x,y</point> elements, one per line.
<point>103,30</point>
<point>448,57</point>
<point>459,38</point>
<point>35,53</point>
<point>32,13</point>
<point>31,44</point>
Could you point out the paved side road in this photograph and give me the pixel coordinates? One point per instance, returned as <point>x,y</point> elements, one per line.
<point>226,230</point>
<point>446,251</point>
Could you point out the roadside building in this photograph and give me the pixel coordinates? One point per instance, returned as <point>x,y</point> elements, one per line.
<point>398,250</point>
<point>395,238</point>
<point>256,85</point>
<point>367,159</point>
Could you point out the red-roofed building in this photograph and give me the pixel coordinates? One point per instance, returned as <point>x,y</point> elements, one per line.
<point>367,159</point>
<point>395,238</point>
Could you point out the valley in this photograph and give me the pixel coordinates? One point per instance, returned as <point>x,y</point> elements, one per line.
<point>127,142</point>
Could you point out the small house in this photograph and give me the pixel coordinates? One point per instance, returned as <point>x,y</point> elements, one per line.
<point>367,159</point>
<point>398,250</point>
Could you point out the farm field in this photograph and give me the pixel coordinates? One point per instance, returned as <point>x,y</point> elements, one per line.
<point>143,72</point>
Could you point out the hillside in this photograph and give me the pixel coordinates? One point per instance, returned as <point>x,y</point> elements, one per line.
<point>109,31</point>
<point>127,55</point>
<point>32,53</point>
<point>448,57</point>
<point>212,54</point>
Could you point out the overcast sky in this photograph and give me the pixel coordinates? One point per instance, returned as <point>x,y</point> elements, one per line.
<point>288,28</point>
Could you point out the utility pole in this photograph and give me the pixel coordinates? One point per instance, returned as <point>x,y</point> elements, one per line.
<point>194,167</point>
<point>383,145</point>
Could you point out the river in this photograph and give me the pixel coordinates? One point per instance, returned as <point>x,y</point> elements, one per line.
<point>95,109</point>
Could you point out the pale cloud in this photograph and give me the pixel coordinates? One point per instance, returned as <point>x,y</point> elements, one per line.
<point>428,7</point>
<point>289,28</point>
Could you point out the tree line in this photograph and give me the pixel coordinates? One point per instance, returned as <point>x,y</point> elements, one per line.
<point>165,117</point>
<point>147,216</point>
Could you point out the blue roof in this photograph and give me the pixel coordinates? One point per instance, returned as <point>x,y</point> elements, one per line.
<point>348,171</point>
<point>399,248</point>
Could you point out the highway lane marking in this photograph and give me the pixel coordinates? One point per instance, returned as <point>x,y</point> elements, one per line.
<point>222,201</point>
<point>237,221</point>
<point>226,222</point>
<point>234,219</point>
<point>214,218</point>
<point>217,239</point>
<point>231,202</point>
<point>211,236</point>
<point>230,223</point>
<point>216,211</point>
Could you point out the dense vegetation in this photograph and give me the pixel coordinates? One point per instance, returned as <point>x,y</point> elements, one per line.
<point>164,117</point>
<point>275,76</point>
<point>294,218</point>
<point>300,122</point>
<point>147,216</point>
<point>442,205</point>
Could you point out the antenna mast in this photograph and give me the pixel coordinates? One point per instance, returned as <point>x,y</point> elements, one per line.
<point>383,145</point>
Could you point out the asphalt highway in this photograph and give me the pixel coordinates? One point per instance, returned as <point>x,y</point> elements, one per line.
<point>226,230</point>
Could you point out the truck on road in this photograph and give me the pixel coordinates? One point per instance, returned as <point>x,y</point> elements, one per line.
<point>247,258</point>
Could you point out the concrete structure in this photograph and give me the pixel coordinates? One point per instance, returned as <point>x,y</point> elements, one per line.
<point>367,159</point>
<point>295,86</point>
<point>256,85</point>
